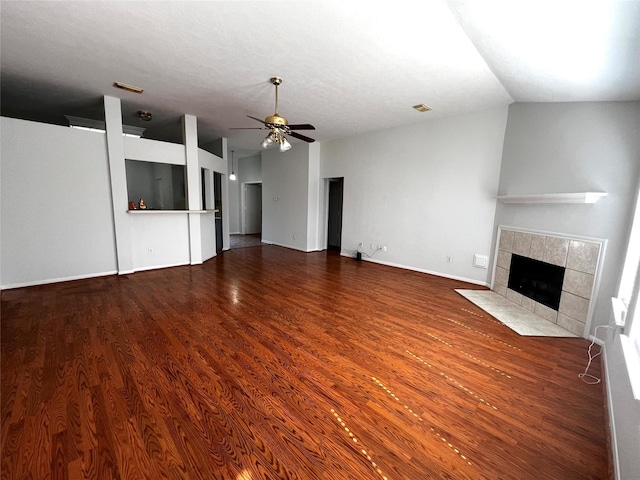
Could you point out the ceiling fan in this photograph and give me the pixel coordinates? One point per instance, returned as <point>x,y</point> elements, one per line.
<point>279,127</point>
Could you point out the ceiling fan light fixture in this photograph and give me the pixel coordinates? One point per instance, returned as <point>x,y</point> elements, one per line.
<point>267,142</point>
<point>278,127</point>
<point>145,116</point>
<point>274,138</point>
<point>284,144</point>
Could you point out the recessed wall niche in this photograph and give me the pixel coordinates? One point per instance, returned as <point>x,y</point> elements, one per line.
<point>161,185</point>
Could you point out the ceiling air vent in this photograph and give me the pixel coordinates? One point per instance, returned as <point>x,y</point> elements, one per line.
<point>421,107</point>
<point>128,88</point>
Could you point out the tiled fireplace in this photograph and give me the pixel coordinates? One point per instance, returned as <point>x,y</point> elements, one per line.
<point>578,256</point>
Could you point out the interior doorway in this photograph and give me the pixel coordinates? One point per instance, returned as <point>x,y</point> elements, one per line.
<point>252,194</point>
<point>217,205</point>
<point>334,225</point>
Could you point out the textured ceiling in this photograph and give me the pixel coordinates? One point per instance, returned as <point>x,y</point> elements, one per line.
<point>348,67</point>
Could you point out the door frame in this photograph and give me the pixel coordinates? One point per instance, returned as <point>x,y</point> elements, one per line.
<point>243,203</point>
<point>323,231</point>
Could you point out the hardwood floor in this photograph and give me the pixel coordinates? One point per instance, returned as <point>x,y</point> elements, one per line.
<point>271,363</point>
<point>243,241</point>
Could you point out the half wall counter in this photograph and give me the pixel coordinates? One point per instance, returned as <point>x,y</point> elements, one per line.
<point>160,238</point>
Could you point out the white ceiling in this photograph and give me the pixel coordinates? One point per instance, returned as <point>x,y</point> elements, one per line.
<point>349,67</point>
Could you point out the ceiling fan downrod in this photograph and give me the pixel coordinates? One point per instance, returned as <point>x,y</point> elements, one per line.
<point>276,119</point>
<point>276,81</point>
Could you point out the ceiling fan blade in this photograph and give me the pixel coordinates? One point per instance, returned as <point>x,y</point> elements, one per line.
<point>247,128</point>
<point>256,119</point>
<point>302,126</point>
<point>301,137</point>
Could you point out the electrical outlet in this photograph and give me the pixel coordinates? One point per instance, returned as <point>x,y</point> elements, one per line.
<point>384,248</point>
<point>372,246</point>
<point>449,259</point>
<point>360,245</point>
<point>150,249</point>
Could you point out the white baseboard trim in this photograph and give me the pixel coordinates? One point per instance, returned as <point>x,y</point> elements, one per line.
<point>612,423</point>
<point>92,275</point>
<point>421,270</point>
<point>57,280</point>
<point>210,257</point>
<point>157,267</point>
<point>290,247</point>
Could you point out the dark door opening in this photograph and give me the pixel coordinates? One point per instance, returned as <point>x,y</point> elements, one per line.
<point>217,190</point>
<point>334,227</point>
<point>252,208</point>
<point>203,189</point>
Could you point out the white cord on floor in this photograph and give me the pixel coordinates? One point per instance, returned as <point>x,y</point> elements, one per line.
<point>584,374</point>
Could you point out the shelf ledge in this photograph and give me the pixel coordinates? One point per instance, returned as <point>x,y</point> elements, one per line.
<point>143,210</point>
<point>581,197</point>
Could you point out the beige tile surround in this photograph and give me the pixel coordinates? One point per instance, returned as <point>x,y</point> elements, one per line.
<point>580,259</point>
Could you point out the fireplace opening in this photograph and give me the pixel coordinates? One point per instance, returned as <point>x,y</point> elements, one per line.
<point>537,280</point>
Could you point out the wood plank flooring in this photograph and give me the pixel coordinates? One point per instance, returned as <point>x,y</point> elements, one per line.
<point>243,241</point>
<point>268,363</point>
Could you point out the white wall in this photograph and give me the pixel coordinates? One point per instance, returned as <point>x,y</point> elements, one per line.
<point>575,147</point>
<point>426,191</point>
<point>250,168</point>
<point>234,198</point>
<point>140,182</point>
<point>212,163</point>
<point>154,151</point>
<point>624,411</point>
<point>56,204</point>
<point>57,221</point>
<point>572,147</point>
<point>208,236</point>
<point>285,177</point>
<point>160,239</point>
<point>118,182</point>
<point>314,213</point>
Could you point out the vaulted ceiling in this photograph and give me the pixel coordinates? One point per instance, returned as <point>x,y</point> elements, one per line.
<point>349,67</point>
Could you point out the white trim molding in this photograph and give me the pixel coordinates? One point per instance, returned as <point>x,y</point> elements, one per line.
<point>581,197</point>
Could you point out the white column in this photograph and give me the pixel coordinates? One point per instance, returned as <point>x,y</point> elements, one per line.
<point>225,197</point>
<point>118,173</point>
<point>193,186</point>
<point>313,206</point>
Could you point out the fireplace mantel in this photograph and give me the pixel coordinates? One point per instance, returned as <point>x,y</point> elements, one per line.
<point>580,197</point>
